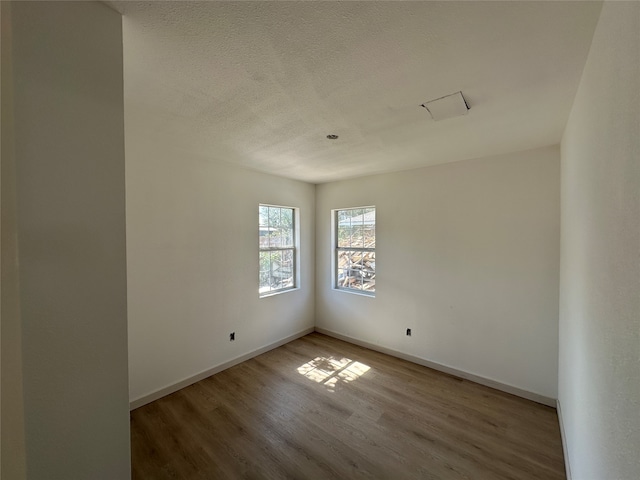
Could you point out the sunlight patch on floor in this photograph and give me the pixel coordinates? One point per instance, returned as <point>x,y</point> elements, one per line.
<point>330,371</point>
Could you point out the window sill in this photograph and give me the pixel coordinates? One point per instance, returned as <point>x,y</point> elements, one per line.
<point>278,292</point>
<point>355,292</point>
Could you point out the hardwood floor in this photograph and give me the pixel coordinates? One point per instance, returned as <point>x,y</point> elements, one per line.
<point>320,408</point>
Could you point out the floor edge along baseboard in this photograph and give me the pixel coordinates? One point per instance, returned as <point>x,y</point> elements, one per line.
<point>148,398</point>
<point>168,390</point>
<point>563,437</point>
<point>519,392</point>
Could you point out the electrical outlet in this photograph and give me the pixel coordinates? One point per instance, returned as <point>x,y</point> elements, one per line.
<point>408,332</point>
<point>232,336</point>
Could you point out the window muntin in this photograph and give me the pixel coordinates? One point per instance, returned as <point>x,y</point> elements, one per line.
<point>355,249</point>
<point>277,249</point>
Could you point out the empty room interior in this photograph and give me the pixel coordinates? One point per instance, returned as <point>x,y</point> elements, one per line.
<point>195,197</point>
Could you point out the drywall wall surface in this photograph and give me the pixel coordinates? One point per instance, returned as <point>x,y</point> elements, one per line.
<point>599,364</point>
<point>467,257</point>
<point>69,150</point>
<point>12,446</point>
<point>192,252</point>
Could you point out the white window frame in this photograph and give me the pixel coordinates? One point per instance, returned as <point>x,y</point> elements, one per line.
<point>294,249</point>
<point>337,250</point>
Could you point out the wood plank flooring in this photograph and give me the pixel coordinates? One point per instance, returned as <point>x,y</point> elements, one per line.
<point>320,408</point>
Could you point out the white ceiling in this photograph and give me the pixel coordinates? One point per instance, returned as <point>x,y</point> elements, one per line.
<point>261,84</point>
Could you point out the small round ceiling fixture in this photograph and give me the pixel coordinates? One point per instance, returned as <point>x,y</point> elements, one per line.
<point>332,137</point>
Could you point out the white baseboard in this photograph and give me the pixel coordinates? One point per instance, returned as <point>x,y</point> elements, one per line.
<point>563,437</point>
<point>536,397</point>
<point>148,398</point>
<point>552,402</point>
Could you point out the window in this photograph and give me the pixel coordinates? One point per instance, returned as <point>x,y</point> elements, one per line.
<point>355,253</point>
<point>277,245</point>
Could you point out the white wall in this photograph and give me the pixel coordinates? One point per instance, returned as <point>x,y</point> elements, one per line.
<point>192,250</point>
<point>467,257</point>
<point>599,375</point>
<point>69,156</point>
<point>12,451</point>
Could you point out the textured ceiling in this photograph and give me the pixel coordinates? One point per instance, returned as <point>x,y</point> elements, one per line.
<point>261,84</point>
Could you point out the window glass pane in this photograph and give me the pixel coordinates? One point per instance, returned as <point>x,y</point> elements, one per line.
<point>264,238</point>
<point>369,228</point>
<point>350,278</point>
<point>286,218</point>
<point>265,269</point>
<point>344,280</point>
<point>287,238</point>
<point>369,236</point>
<point>263,216</point>
<point>355,279</point>
<point>356,228</point>
<point>355,231</point>
<point>278,271</point>
<point>344,235</point>
<point>286,269</point>
<point>277,238</point>
<point>354,259</point>
<point>357,269</point>
<point>286,227</point>
<point>344,228</point>
<point>263,226</point>
<point>274,233</point>
<point>369,263</point>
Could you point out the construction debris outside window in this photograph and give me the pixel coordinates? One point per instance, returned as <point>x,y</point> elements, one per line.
<point>355,249</point>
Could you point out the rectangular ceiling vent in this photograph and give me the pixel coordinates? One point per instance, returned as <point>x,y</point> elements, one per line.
<point>448,106</point>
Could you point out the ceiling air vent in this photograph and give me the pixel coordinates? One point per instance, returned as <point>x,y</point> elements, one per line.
<point>448,106</point>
